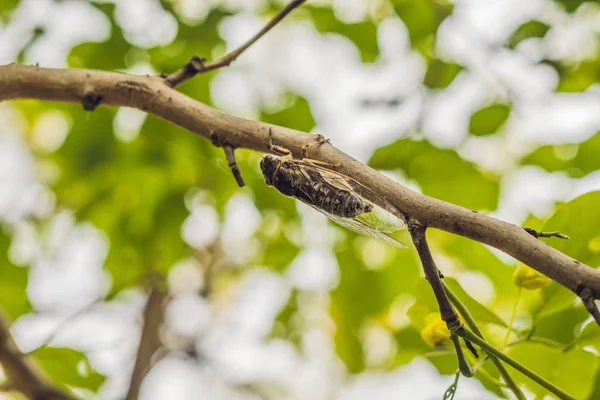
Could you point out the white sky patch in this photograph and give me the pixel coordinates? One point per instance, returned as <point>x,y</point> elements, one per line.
<point>67,24</point>
<point>128,123</point>
<point>417,380</point>
<point>479,286</point>
<point>21,193</point>
<point>314,269</point>
<point>185,277</point>
<point>71,275</point>
<point>242,220</point>
<point>145,23</point>
<point>188,314</point>
<point>201,227</point>
<point>51,130</point>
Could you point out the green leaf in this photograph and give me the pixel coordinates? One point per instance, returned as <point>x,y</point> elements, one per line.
<point>571,371</point>
<point>575,77</point>
<point>441,173</point>
<point>530,29</point>
<point>551,300</point>
<point>571,5</point>
<point>352,303</point>
<point>574,220</point>
<point>13,283</point>
<point>576,160</point>
<point>410,345</point>
<point>362,34</point>
<point>440,74</point>
<point>559,326</point>
<point>297,116</point>
<point>422,17</point>
<point>6,8</point>
<point>477,310</point>
<point>589,334</point>
<point>488,119</point>
<point>474,256</point>
<point>68,367</point>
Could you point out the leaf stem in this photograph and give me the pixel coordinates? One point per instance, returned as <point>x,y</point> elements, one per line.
<point>512,319</point>
<point>465,333</point>
<point>470,321</point>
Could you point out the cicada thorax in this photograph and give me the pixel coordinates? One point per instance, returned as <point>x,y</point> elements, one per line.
<point>308,185</point>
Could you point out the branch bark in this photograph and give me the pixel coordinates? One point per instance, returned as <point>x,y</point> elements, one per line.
<point>152,95</point>
<point>21,373</point>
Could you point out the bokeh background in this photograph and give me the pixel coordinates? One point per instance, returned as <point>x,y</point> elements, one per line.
<point>493,105</point>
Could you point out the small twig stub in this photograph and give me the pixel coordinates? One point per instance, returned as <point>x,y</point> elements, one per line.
<point>232,163</point>
<point>538,235</point>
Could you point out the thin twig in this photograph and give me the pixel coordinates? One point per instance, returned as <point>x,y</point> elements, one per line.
<point>235,170</point>
<point>197,66</point>
<point>21,373</point>
<point>417,232</point>
<point>538,235</point>
<point>149,340</point>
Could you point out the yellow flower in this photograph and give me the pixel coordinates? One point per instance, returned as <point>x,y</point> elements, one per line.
<point>435,331</point>
<point>529,278</point>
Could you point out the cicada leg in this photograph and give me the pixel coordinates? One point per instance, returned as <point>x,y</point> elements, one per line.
<point>282,151</point>
<point>320,139</point>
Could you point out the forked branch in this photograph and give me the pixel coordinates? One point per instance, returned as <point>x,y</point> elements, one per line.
<point>197,64</point>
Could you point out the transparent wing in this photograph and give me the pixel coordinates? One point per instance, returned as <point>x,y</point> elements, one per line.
<point>381,220</point>
<point>364,229</point>
<point>388,213</point>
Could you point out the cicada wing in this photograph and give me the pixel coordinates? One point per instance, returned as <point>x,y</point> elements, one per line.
<point>364,229</point>
<point>346,183</point>
<point>381,220</point>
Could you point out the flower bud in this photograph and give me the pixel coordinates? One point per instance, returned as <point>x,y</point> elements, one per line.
<point>529,278</point>
<point>435,331</point>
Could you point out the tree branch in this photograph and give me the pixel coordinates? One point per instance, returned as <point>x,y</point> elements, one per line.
<point>21,373</point>
<point>154,313</point>
<point>197,66</point>
<point>150,94</point>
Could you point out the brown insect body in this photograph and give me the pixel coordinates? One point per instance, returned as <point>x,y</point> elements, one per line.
<point>341,198</point>
<point>305,183</point>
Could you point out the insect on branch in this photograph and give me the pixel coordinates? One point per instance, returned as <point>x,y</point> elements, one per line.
<point>197,64</point>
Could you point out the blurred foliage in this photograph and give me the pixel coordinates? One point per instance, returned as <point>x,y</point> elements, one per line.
<point>139,190</point>
<point>440,173</point>
<point>488,119</point>
<point>363,34</point>
<point>68,368</point>
<point>440,74</point>
<point>576,160</point>
<point>530,29</point>
<point>13,283</point>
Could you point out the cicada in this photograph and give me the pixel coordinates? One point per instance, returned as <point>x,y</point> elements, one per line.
<point>341,198</point>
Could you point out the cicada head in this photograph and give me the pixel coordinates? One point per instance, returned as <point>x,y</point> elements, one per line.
<point>268,166</point>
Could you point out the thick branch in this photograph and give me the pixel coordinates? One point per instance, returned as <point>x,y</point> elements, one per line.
<point>22,375</point>
<point>149,341</point>
<point>150,94</point>
<point>197,66</point>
